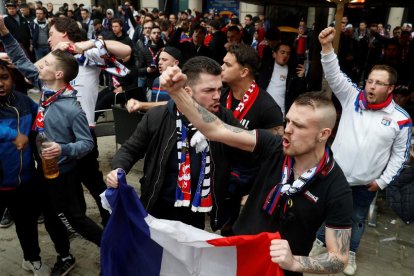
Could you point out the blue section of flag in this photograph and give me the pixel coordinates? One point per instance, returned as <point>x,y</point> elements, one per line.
<point>126,247</point>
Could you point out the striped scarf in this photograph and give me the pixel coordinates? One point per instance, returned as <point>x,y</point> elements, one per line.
<point>110,64</point>
<point>202,200</point>
<point>246,102</point>
<point>285,189</point>
<point>47,98</point>
<point>361,102</point>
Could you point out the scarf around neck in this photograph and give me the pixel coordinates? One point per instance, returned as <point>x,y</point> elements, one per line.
<point>41,25</point>
<point>286,189</point>
<point>48,97</point>
<point>246,102</point>
<point>361,102</point>
<point>202,200</point>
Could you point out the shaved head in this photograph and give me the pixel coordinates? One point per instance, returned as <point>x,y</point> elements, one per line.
<point>327,116</point>
<point>322,104</point>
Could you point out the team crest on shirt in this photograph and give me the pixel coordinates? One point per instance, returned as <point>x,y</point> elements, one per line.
<point>311,197</point>
<point>283,77</point>
<point>386,121</point>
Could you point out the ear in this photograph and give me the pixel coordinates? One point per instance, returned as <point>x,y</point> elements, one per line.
<point>390,89</point>
<point>59,75</point>
<point>324,135</point>
<point>188,90</point>
<point>244,72</point>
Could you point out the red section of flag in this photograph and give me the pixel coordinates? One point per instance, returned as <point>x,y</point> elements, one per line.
<point>253,254</point>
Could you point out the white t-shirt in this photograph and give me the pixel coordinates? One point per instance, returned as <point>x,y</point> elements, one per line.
<point>277,85</point>
<point>87,84</point>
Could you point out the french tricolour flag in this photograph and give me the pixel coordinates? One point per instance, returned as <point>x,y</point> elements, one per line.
<point>135,243</point>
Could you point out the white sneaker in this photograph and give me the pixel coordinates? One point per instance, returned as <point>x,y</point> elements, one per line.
<point>351,268</point>
<point>37,267</point>
<point>318,248</point>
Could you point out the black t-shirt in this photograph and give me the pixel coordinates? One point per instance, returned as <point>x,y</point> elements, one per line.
<point>263,114</point>
<point>328,199</point>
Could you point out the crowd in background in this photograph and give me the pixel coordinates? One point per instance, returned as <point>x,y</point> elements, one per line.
<point>158,40</point>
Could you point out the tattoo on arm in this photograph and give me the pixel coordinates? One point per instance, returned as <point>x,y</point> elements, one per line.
<point>205,115</point>
<point>342,239</point>
<point>239,130</point>
<point>328,262</point>
<point>233,129</point>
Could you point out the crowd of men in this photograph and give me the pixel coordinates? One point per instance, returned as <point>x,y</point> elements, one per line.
<point>228,122</point>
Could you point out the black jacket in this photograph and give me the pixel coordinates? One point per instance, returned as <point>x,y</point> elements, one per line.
<point>294,85</point>
<point>155,138</point>
<point>21,32</point>
<point>216,46</point>
<point>400,195</point>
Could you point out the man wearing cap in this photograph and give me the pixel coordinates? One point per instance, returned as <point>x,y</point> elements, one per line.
<point>18,27</point>
<point>156,95</point>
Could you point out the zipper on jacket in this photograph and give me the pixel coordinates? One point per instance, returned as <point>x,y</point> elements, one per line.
<point>160,169</point>
<point>213,168</point>
<point>21,151</point>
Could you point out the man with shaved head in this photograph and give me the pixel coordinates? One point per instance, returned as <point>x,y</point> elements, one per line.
<point>298,186</point>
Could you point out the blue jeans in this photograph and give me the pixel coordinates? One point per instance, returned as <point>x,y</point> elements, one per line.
<point>361,199</point>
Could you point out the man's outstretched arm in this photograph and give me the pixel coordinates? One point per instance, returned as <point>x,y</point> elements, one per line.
<point>17,55</point>
<point>337,244</point>
<point>173,80</point>
<point>116,48</point>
